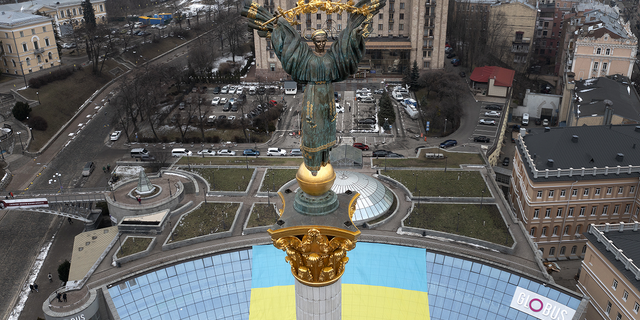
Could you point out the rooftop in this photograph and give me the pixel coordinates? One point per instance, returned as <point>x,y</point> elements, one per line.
<point>620,244</point>
<point>591,94</point>
<point>586,152</point>
<point>597,23</point>
<point>10,18</point>
<point>503,77</point>
<point>33,6</point>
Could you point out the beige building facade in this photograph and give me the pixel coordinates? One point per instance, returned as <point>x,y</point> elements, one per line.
<point>402,32</point>
<point>609,274</point>
<point>558,188</point>
<point>514,24</point>
<point>28,43</point>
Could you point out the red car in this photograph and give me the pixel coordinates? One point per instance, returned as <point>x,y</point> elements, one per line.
<point>361,146</point>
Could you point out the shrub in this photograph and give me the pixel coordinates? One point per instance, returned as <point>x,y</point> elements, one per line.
<point>21,111</point>
<point>38,123</point>
<point>55,75</point>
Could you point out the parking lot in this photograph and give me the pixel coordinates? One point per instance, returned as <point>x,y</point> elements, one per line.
<point>487,124</point>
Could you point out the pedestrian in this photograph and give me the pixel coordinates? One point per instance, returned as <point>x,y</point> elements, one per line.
<point>64,297</point>
<point>35,286</point>
<point>108,167</point>
<point>104,169</point>
<point>139,199</point>
<point>32,288</point>
<point>58,296</point>
<point>70,220</point>
<point>11,193</point>
<point>50,277</point>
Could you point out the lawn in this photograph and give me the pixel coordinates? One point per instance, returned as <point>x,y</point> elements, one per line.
<point>253,161</point>
<point>133,245</point>
<point>209,218</point>
<point>262,215</point>
<point>274,179</point>
<point>453,160</point>
<point>439,183</point>
<point>471,220</point>
<point>226,179</point>
<point>76,90</point>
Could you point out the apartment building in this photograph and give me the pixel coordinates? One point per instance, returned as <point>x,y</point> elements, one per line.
<point>609,275</point>
<point>28,43</point>
<point>514,23</point>
<point>402,32</point>
<point>566,178</point>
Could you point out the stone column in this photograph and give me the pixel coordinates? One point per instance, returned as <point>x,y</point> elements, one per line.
<point>316,303</point>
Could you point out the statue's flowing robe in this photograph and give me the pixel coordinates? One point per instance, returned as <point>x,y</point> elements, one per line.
<point>319,72</point>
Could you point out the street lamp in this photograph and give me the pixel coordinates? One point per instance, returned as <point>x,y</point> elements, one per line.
<point>38,94</point>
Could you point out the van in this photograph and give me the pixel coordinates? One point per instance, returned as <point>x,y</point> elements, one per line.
<point>139,152</point>
<point>525,119</point>
<point>179,152</point>
<point>88,168</point>
<point>252,90</point>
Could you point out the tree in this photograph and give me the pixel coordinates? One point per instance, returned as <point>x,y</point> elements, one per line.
<point>387,112</point>
<point>21,110</point>
<point>88,14</point>
<point>63,271</point>
<point>415,75</point>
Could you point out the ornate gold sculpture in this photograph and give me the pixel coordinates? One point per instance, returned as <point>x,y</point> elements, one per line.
<point>327,6</point>
<point>315,260</point>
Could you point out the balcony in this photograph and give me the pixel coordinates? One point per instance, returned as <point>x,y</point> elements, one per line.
<point>38,51</point>
<point>523,40</point>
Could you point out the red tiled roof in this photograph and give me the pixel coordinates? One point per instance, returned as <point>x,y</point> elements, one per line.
<point>503,77</point>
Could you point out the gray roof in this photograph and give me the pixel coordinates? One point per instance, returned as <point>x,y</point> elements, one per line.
<point>290,84</point>
<point>592,93</point>
<point>596,146</point>
<point>611,23</point>
<point>10,18</point>
<point>33,6</point>
<point>628,241</point>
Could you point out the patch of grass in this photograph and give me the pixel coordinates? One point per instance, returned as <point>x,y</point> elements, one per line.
<point>210,218</point>
<point>277,177</point>
<point>57,111</point>
<point>453,160</point>
<point>471,220</point>
<point>226,179</point>
<point>392,209</point>
<point>133,245</point>
<point>262,215</point>
<point>440,183</point>
<point>241,161</point>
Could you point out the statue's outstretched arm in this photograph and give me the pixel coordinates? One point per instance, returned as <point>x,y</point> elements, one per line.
<point>258,15</point>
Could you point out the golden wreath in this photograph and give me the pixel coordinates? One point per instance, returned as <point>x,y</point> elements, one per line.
<point>327,6</point>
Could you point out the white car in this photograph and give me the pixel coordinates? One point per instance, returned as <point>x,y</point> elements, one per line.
<point>493,114</point>
<point>226,152</point>
<point>207,152</point>
<point>239,90</point>
<point>276,152</point>
<point>116,135</point>
<point>489,122</point>
<point>231,118</point>
<point>215,101</point>
<point>223,100</point>
<point>339,108</point>
<point>232,90</point>
<point>224,89</point>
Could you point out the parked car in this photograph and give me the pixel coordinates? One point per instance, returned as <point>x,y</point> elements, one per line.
<point>296,153</point>
<point>455,62</point>
<point>361,146</point>
<point>216,90</point>
<point>116,135</point>
<point>207,152</point>
<point>380,153</point>
<point>481,139</point>
<point>227,106</point>
<point>250,152</point>
<point>451,55</point>
<point>262,90</point>
<point>493,114</point>
<point>489,122</point>
<point>223,100</point>
<point>462,74</point>
<point>545,122</point>
<point>276,152</point>
<point>505,161</point>
<point>181,106</point>
<point>88,168</point>
<point>339,108</point>
<point>367,121</point>
<point>232,90</point>
<point>211,119</point>
<point>231,118</point>
<point>448,143</point>
<point>215,101</point>
<point>239,90</point>
<point>379,91</point>
<point>493,107</point>
<point>226,152</point>
<point>225,89</point>
<point>222,118</point>
<point>179,152</point>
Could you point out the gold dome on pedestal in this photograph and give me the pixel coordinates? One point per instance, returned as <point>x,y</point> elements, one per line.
<point>318,184</point>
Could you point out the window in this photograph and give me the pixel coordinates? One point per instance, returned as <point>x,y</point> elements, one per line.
<point>615,284</point>
<point>33,31</point>
<point>563,193</point>
<point>429,52</point>
<point>424,54</point>
<point>547,213</point>
<point>390,26</point>
<point>604,66</point>
<point>539,194</point>
<point>35,45</point>
<point>619,316</point>
<point>632,189</point>
<point>559,213</point>
<point>319,16</point>
<point>380,16</point>
<point>552,251</point>
<point>401,6</point>
<point>402,16</point>
<point>599,51</point>
<point>46,42</point>
<point>62,14</point>
<point>74,11</point>
<point>271,54</point>
<point>272,66</point>
<point>574,192</point>
<point>50,56</point>
<point>39,59</point>
<point>597,192</point>
<point>9,48</point>
<point>541,251</point>
<point>546,24</point>
<point>380,27</point>
<point>595,66</point>
<point>24,47</point>
<point>620,190</point>
<point>551,193</point>
<point>574,249</point>
<point>593,210</point>
<point>609,189</point>
<point>21,34</point>
<point>625,295</point>
<point>6,35</point>
<point>582,211</point>
<point>555,231</point>
<point>584,249</point>
<point>566,230</point>
<point>401,27</point>
<point>101,8</point>
<point>586,192</point>
<point>607,52</point>
<point>44,29</point>
<point>562,250</point>
<point>532,232</point>
<point>318,26</point>
<point>536,212</point>
<point>604,210</point>
<point>14,64</point>
<point>636,307</point>
<point>578,227</point>
<point>426,64</point>
<point>28,61</point>
<point>544,232</point>
<point>608,308</point>
<point>298,27</point>
<point>626,208</point>
<point>544,33</point>
<point>616,208</point>
<point>570,212</point>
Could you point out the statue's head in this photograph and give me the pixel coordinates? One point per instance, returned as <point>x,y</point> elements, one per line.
<point>319,38</point>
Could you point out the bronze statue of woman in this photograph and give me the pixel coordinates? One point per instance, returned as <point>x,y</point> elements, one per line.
<point>317,69</point>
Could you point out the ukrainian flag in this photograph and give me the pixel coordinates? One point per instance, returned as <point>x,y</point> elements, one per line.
<point>380,282</point>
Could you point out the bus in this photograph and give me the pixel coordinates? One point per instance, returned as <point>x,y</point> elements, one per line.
<point>24,203</point>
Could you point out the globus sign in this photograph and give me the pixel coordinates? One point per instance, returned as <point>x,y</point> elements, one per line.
<point>539,306</point>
